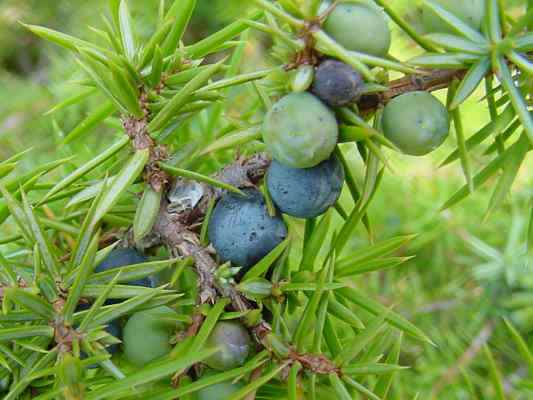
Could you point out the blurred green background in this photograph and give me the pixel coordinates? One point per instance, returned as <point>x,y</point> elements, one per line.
<point>449,289</point>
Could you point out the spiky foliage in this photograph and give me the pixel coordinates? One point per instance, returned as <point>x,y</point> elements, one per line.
<point>316,334</point>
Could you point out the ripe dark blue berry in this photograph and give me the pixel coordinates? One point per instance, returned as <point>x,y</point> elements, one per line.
<point>234,342</point>
<point>336,83</point>
<point>122,258</point>
<point>305,193</point>
<point>242,231</point>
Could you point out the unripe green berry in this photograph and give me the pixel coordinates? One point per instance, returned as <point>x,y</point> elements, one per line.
<point>147,335</point>
<point>359,27</point>
<point>300,131</point>
<point>417,123</point>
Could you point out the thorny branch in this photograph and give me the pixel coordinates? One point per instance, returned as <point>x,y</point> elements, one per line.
<point>176,229</point>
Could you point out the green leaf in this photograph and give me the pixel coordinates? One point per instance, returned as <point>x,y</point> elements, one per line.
<point>493,20</point>
<point>89,193</point>
<point>86,168</point>
<point>98,302</point>
<point>331,337</point>
<point>61,39</point>
<point>157,67</point>
<point>524,43</point>
<point>208,325</point>
<point>492,128</point>
<point>204,232</point>
<point>280,13</point>
<point>156,40</point>
<point>470,82</point>
<point>8,334</point>
<point>370,266</point>
<point>132,272</point>
<point>42,241</point>
<point>16,181</point>
<point>371,369</point>
<point>521,344</point>
<point>519,104</point>
<point>343,313</point>
<point>292,383</point>
<point>369,253</point>
<point>360,388</point>
<point>101,78</point>
<point>87,230</point>
<point>444,60</point>
<point>82,276</point>
<point>30,302</point>
<point>310,286</point>
<point>338,386</point>
<point>147,213</point>
<point>181,98</point>
<point>17,213</point>
<point>373,307</point>
<point>118,291</point>
<point>464,156</point>
<point>529,243</point>
<point>233,140</point>
<point>39,364</point>
<point>121,183</point>
<point>315,243</point>
<point>126,30</point>
<point>150,374</point>
<point>210,380</point>
<point>255,288</point>
<point>307,316</point>
<point>384,382</point>
<point>521,62</point>
<point>514,161</point>
<point>115,311</point>
<point>200,178</point>
<point>6,169</point>
<point>483,176</point>
<point>494,373</point>
<point>355,217</point>
<point>456,43</point>
<point>362,339</point>
<point>181,13</point>
<point>237,80</point>
<point>8,271</point>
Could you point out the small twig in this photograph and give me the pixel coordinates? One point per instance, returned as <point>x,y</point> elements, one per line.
<point>316,363</point>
